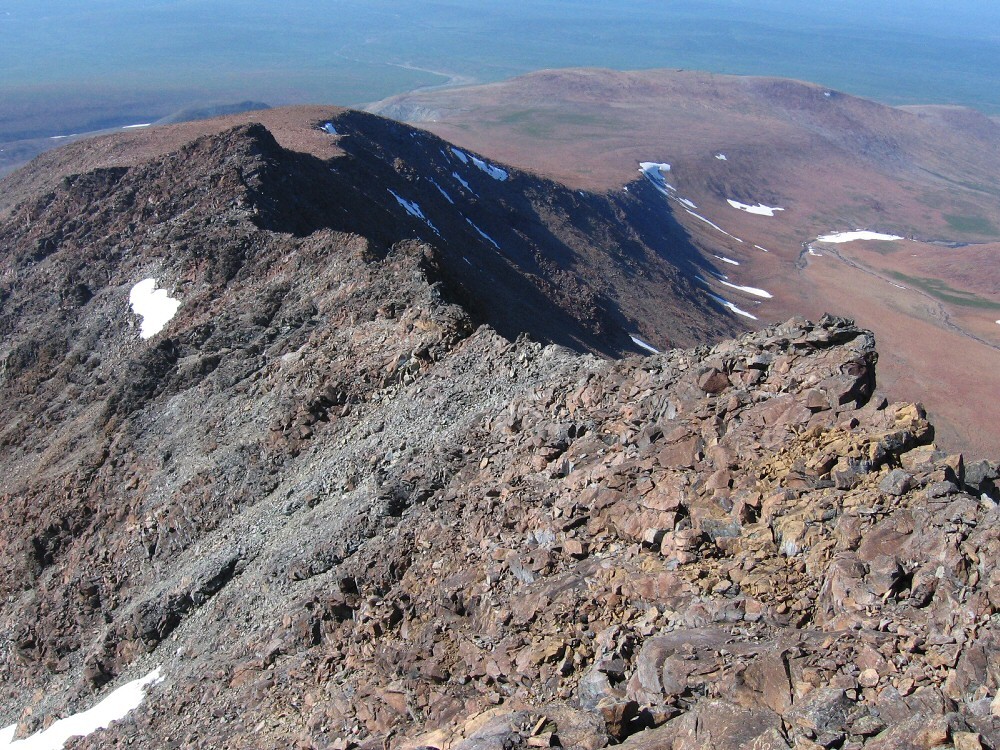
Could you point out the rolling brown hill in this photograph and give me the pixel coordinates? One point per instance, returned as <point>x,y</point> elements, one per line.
<point>834,163</point>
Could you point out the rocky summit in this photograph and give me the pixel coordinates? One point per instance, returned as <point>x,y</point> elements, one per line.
<point>335,508</point>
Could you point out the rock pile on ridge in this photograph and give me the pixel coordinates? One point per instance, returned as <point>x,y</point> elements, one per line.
<point>735,547</point>
<point>336,514</point>
<point>731,547</point>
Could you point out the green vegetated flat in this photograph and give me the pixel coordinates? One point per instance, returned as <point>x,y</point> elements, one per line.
<point>941,290</point>
<point>545,123</point>
<point>967,184</point>
<point>971,224</point>
<point>883,248</point>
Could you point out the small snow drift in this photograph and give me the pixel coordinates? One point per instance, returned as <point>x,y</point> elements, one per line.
<point>861,234</point>
<point>760,209</point>
<point>648,347</point>
<point>443,192</point>
<point>730,306</point>
<point>721,157</point>
<point>482,233</point>
<point>463,183</point>
<point>413,210</point>
<point>115,706</point>
<point>751,290</point>
<point>495,172</point>
<point>329,128</point>
<point>724,259</point>
<point>713,225</point>
<point>155,306</point>
<point>656,172</point>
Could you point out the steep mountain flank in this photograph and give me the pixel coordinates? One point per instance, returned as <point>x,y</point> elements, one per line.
<point>614,265</point>
<point>334,509</point>
<point>743,147</point>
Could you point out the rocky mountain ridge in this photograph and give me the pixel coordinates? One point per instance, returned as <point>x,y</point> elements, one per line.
<point>337,510</point>
<point>613,264</point>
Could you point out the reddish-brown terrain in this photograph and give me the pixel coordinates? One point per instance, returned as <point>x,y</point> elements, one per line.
<point>388,473</point>
<point>834,162</point>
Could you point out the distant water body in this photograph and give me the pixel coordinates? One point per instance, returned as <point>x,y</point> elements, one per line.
<point>71,65</point>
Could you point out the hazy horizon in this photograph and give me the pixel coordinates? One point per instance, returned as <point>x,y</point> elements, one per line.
<point>70,65</point>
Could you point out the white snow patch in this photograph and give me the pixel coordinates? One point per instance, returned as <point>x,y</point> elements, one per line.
<point>726,303</point>
<point>998,322</point>
<point>686,202</point>
<point>57,137</point>
<point>442,191</point>
<point>414,210</point>
<point>813,253</point>
<point>655,172</point>
<point>140,125</point>
<point>862,234</point>
<point>712,224</point>
<point>724,259</point>
<point>827,94</point>
<point>789,547</point>
<point>762,248</point>
<point>762,293</point>
<point>328,127</point>
<point>460,154</point>
<point>898,286</point>
<point>495,172</point>
<point>462,182</point>
<point>625,188</point>
<point>155,306</point>
<point>644,345</point>
<point>411,208</point>
<point>483,234</point>
<point>721,157</point>
<point>115,706</point>
<point>760,209</point>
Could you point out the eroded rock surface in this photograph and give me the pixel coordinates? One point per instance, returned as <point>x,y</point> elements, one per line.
<point>339,514</point>
<point>537,566</point>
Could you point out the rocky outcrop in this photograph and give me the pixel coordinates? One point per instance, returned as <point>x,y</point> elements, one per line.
<point>338,514</point>
<point>611,551</point>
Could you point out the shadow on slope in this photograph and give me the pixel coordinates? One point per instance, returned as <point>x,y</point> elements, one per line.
<point>522,253</point>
